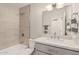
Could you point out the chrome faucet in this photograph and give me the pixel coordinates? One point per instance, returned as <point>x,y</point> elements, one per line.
<point>54,35</point>
<point>51,37</point>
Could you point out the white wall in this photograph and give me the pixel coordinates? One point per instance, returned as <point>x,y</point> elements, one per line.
<point>9,26</point>
<point>36,19</point>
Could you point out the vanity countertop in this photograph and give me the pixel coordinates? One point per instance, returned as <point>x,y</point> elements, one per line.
<point>63,43</point>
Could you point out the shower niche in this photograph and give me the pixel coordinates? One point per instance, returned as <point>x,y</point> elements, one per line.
<point>72,26</point>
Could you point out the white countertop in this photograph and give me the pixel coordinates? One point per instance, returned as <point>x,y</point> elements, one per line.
<point>68,44</point>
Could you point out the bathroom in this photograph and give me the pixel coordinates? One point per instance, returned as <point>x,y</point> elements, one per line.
<point>39,29</point>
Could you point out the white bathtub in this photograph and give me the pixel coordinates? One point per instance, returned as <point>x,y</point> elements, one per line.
<point>18,49</point>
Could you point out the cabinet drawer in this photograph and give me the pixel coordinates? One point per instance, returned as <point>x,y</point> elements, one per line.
<point>39,53</point>
<point>54,50</point>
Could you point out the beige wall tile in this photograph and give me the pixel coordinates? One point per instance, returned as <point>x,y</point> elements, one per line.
<point>9,26</point>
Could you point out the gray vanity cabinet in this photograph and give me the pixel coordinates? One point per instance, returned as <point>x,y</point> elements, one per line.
<point>42,49</point>
<point>39,53</point>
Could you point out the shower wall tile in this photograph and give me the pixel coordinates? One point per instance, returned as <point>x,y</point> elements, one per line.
<point>24,24</point>
<point>9,26</point>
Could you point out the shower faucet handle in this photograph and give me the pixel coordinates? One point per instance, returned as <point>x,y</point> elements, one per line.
<point>22,34</point>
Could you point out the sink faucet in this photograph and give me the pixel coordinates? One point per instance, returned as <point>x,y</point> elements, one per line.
<point>51,37</point>
<point>54,35</point>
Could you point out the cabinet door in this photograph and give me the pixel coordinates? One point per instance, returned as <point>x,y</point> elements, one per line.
<point>46,49</point>
<point>55,50</point>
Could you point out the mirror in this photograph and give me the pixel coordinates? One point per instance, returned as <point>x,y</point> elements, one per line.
<point>61,22</point>
<point>71,22</point>
<point>54,21</point>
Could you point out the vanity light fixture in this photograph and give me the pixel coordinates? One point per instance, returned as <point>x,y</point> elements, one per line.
<point>50,7</point>
<point>59,5</point>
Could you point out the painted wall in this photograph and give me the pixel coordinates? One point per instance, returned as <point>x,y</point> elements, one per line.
<point>36,19</point>
<point>9,26</point>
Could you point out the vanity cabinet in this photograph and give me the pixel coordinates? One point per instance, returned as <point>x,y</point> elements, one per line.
<point>43,49</point>
<point>39,53</point>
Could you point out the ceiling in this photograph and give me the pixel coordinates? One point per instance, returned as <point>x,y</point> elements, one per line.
<point>18,5</point>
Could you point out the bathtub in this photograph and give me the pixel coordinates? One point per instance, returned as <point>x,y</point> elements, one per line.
<point>18,49</point>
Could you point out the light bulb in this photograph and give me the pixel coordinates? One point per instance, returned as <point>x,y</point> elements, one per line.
<point>59,5</point>
<point>49,7</point>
